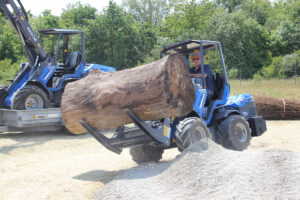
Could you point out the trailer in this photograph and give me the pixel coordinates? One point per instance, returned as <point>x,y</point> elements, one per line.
<point>42,120</point>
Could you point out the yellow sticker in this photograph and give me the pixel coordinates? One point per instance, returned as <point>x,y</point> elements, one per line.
<point>22,18</point>
<point>65,50</point>
<point>165,130</point>
<point>39,45</point>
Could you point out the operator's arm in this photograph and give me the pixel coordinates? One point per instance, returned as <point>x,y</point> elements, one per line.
<point>198,75</point>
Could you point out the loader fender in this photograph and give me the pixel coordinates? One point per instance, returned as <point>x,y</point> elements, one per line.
<point>224,113</point>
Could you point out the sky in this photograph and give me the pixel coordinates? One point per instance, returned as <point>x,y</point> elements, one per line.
<point>56,6</point>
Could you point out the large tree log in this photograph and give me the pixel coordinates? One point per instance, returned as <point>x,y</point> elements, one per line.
<point>277,109</point>
<point>154,91</point>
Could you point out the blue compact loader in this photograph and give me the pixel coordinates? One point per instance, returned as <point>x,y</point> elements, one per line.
<point>41,82</point>
<point>229,121</point>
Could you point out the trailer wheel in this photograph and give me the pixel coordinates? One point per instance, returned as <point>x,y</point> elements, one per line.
<point>146,153</point>
<point>235,133</point>
<point>30,97</point>
<point>189,131</point>
<point>3,95</point>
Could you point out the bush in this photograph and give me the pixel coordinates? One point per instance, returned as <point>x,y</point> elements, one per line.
<point>8,70</point>
<point>233,73</point>
<point>282,67</point>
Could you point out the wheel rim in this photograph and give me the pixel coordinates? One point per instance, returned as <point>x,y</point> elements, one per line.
<point>240,132</point>
<point>34,101</point>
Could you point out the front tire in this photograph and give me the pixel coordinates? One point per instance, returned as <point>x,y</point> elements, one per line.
<point>30,97</point>
<point>235,133</point>
<point>146,153</point>
<point>189,131</point>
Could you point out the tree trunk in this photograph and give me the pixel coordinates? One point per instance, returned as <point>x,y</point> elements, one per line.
<point>271,108</point>
<point>153,91</point>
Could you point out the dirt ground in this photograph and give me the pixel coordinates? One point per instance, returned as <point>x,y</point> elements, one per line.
<point>63,166</point>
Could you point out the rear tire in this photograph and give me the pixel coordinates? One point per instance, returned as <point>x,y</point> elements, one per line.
<point>146,153</point>
<point>30,97</point>
<point>3,95</point>
<point>235,133</point>
<point>189,131</point>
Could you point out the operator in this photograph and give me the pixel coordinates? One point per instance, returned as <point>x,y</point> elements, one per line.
<point>196,73</point>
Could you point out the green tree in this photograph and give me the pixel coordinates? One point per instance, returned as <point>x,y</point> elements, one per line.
<point>112,39</point>
<point>150,11</point>
<point>274,70</point>
<point>282,66</point>
<point>44,21</point>
<point>188,18</point>
<point>245,42</point>
<point>257,9</point>
<point>146,39</point>
<point>229,5</point>
<point>286,38</point>
<point>293,11</point>
<point>10,44</point>
<point>8,70</point>
<point>291,64</point>
<point>275,15</point>
<point>77,15</point>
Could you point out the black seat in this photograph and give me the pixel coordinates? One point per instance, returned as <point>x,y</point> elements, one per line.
<point>73,60</point>
<point>219,84</point>
<point>210,83</point>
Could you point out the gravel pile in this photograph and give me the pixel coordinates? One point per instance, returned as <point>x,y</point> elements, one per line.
<point>208,171</point>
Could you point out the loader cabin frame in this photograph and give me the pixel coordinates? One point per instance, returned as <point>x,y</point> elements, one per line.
<point>63,34</point>
<point>211,50</point>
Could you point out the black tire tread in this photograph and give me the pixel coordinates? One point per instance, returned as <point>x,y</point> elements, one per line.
<point>3,95</point>
<point>18,101</point>
<point>182,134</point>
<point>146,153</point>
<point>228,140</point>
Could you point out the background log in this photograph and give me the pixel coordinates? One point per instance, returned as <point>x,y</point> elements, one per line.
<point>154,91</point>
<point>277,109</point>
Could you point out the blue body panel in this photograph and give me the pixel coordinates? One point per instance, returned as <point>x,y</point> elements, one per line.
<point>48,72</point>
<point>15,88</point>
<point>199,107</point>
<point>238,101</point>
<point>81,71</point>
<point>77,74</point>
<point>199,104</point>
<point>201,95</point>
<point>101,67</point>
<point>220,102</point>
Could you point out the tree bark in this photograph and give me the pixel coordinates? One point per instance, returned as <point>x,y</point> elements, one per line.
<point>271,108</point>
<point>153,91</point>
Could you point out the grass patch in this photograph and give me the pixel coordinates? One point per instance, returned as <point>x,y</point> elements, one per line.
<point>279,88</point>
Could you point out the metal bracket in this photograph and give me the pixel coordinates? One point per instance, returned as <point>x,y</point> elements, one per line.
<point>100,137</point>
<point>156,134</point>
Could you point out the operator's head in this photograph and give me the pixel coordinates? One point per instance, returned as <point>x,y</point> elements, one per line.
<point>195,57</point>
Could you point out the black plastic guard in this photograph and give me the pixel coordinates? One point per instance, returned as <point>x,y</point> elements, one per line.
<point>257,125</point>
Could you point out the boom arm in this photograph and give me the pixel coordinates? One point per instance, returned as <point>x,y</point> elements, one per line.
<point>32,45</point>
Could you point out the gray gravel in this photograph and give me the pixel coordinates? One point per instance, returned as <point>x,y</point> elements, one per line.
<point>208,171</point>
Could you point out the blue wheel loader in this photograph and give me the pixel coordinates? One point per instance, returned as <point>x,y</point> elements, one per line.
<point>41,82</point>
<point>229,121</point>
